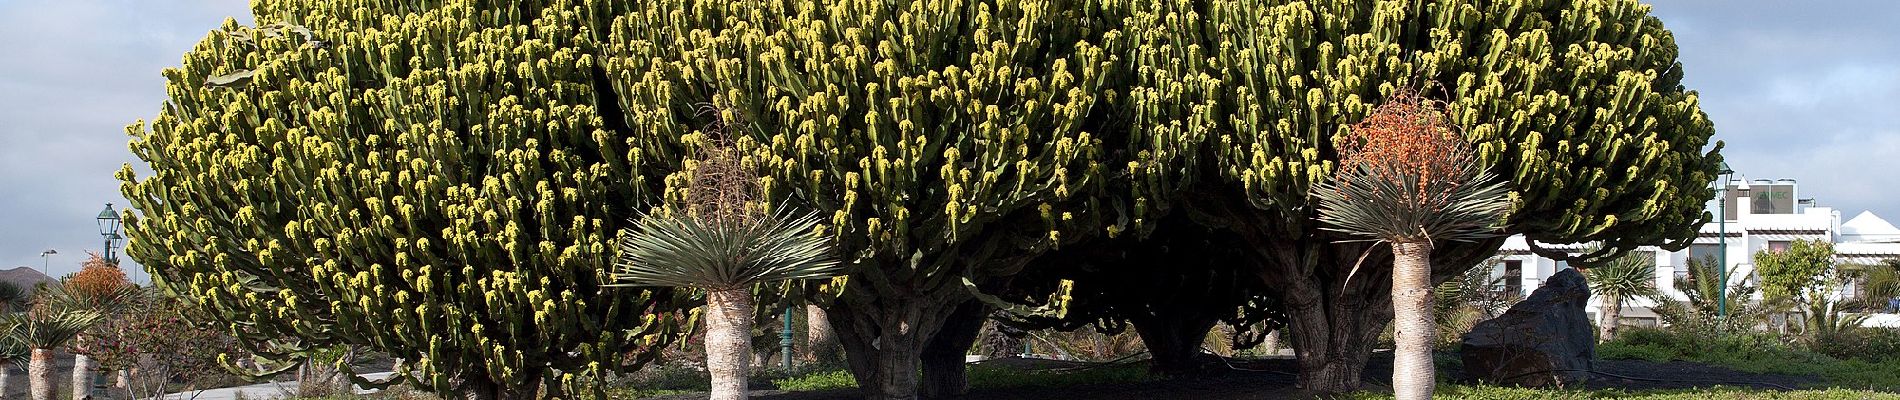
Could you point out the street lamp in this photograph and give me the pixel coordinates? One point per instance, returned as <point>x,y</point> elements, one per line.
<point>109,228</point>
<point>1721,194</point>
<point>44,256</point>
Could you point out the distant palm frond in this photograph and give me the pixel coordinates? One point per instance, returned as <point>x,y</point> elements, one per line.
<point>13,350</point>
<point>675,249</point>
<point>13,297</point>
<point>109,301</point>
<point>1627,277</point>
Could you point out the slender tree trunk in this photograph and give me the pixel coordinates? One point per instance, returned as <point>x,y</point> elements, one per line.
<point>82,376</point>
<point>1413,330</point>
<point>728,341</point>
<point>1612,308</point>
<point>818,336</point>
<point>6,381</point>
<point>40,375</point>
<point>124,381</point>
<point>944,354</point>
<point>1174,343</point>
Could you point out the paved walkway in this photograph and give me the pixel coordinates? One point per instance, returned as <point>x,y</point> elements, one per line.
<point>272,390</point>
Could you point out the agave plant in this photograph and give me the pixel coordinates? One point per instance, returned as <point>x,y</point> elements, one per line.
<point>722,243</point>
<point>1626,277</point>
<point>1406,178</point>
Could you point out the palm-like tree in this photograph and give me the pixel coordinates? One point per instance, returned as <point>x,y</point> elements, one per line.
<point>13,352</point>
<point>1701,313</point>
<point>1620,279</point>
<point>109,300</point>
<point>723,244</point>
<point>13,297</point>
<point>1406,178</point>
<point>45,328</point>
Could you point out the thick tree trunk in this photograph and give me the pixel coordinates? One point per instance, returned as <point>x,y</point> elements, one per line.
<point>40,375</point>
<point>1612,308</point>
<point>884,337</point>
<point>819,340</point>
<point>728,341</point>
<point>944,354</point>
<point>1337,296</point>
<point>82,376</point>
<point>1174,343</point>
<point>1413,328</point>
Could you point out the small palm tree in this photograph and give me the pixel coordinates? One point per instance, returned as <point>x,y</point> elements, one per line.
<point>723,244</point>
<point>1620,279</point>
<point>13,352</point>
<point>1702,313</point>
<point>1406,178</point>
<point>13,297</point>
<point>45,328</point>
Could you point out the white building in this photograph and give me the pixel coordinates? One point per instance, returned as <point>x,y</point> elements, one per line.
<point>1760,215</point>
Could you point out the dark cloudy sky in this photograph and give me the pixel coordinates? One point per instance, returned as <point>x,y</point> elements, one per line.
<point>1801,90</point>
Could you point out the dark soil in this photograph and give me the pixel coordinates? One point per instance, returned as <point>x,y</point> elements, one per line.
<point>1274,379</point>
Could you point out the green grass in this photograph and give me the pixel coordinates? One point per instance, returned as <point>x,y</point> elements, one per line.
<point>987,377</point>
<point>1511,393</point>
<point>1758,353</point>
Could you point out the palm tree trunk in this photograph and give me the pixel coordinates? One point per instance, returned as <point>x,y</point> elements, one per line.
<point>818,335</point>
<point>40,374</point>
<point>728,341</point>
<point>1413,330</point>
<point>1612,308</point>
<point>82,376</point>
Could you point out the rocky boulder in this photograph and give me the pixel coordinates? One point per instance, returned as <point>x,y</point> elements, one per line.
<point>1544,340</point>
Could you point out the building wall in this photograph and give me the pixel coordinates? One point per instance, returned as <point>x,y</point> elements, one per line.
<point>1749,233</point>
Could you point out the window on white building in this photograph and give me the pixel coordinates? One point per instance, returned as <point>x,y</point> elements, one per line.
<point>1513,277</point>
<point>1777,245</point>
<point>1704,251</point>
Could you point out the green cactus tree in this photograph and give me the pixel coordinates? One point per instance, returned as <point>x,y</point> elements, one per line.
<point>941,142</point>
<point>1577,104</point>
<point>443,181</point>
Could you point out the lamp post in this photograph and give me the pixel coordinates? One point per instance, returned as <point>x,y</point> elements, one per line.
<point>109,229</point>
<point>44,260</point>
<point>1721,194</point>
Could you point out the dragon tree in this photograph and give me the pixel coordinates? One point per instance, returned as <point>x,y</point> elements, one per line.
<point>1577,105</point>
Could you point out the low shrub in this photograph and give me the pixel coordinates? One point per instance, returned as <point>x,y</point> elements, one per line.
<point>1866,344</point>
<point>822,380</point>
